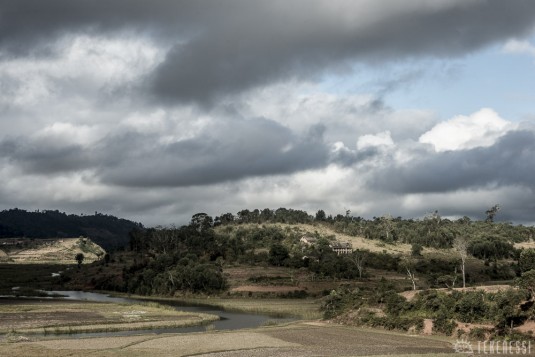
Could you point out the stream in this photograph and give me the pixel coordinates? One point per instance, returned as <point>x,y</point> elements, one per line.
<point>228,320</point>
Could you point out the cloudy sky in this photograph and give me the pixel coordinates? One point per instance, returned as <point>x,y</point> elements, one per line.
<point>155,110</point>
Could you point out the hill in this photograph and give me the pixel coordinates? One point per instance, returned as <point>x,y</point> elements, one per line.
<point>105,230</point>
<point>50,251</point>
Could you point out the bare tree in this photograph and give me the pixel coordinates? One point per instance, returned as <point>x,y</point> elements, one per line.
<point>359,257</point>
<point>387,223</point>
<point>408,264</point>
<point>460,244</point>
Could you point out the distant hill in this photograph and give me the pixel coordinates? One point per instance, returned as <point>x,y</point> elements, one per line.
<point>107,231</point>
<point>52,251</point>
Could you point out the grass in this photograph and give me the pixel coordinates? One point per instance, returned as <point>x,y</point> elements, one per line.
<point>303,308</point>
<point>299,338</point>
<point>28,275</point>
<point>60,317</point>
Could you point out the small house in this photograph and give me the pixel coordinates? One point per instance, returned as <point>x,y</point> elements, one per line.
<point>341,247</point>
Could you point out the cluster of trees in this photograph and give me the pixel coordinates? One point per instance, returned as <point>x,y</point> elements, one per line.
<point>504,309</point>
<point>106,230</point>
<point>431,231</point>
<point>168,260</point>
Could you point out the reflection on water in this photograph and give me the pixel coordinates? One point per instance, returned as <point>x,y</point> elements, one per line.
<point>228,320</point>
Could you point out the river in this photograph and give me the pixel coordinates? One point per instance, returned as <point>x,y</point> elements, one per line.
<point>227,320</point>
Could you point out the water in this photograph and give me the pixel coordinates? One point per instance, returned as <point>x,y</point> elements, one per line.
<point>228,320</point>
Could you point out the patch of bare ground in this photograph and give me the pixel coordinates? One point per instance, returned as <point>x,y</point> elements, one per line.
<point>525,245</point>
<point>299,339</point>
<point>58,251</point>
<point>265,289</point>
<point>428,327</point>
<point>466,327</point>
<point>528,327</point>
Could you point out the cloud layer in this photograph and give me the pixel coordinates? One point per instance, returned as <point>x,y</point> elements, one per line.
<point>156,110</point>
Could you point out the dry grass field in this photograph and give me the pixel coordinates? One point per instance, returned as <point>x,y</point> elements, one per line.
<point>34,316</point>
<point>55,251</point>
<point>298,339</point>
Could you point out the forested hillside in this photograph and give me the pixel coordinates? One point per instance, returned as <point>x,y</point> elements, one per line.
<point>290,254</point>
<point>105,230</point>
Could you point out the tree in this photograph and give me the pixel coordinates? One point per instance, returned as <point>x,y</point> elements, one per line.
<point>387,226</point>
<point>416,249</point>
<point>320,215</point>
<point>359,257</point>
<point>527,281</point>
<point>408,264</point>
<point>79,258</point>
<point>448,280</point>
<point>460,244</point>
<point>107,259</point>
<point>491,213</point>
<point>278,254</point>
<point>201,222</point>
<point>527,260</point>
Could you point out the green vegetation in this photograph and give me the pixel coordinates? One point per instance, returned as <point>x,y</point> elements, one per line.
<point>105,230</point>
<point>262,254</point>
<point>384,307</point>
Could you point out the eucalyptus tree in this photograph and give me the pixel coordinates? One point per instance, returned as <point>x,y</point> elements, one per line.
<point>460,244</point>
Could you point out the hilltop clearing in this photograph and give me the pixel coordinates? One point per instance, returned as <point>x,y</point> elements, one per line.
<point>51,251</point>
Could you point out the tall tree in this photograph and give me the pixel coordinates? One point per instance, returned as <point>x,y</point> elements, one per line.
<point>409,265</point>
<point>359,258</point>
<point>460,244</point>
<point>320,215</point>
<point>491,213</point>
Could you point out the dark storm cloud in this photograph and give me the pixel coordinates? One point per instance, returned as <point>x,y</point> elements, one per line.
<point>284,42</point>
<point>227,150</point>
<point>44,157</point>
<point>225,47</point>
<point>27,24</point>
<point>509,162</point>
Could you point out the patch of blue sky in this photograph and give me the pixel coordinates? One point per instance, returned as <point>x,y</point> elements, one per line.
<point>489,78</point>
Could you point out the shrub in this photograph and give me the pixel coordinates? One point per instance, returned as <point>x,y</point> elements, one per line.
<point>443,324</point>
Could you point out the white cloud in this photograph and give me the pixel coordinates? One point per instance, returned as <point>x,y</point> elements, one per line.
<point>522,47</point>
<point>480,129</point>
<point>383,139</point>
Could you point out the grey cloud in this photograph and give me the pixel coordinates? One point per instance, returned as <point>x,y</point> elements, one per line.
<point>44,157</point>
<point>228,150</point>
<point>226,47</point>
<point>282,42</point>
<point>509,162</point>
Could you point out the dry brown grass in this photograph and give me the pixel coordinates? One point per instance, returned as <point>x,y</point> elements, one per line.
<point>525,245</point>
<point>299,339</point>
<point>60,251</point>
<point>55,318</point>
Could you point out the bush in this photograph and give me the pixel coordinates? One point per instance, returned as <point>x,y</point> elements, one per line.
<point>443,324</point>
<point>471,307</point>
<point>416,249</point>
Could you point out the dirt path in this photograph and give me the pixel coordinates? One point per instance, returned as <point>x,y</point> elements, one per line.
<point>409,295</point>
<point>299,339</point>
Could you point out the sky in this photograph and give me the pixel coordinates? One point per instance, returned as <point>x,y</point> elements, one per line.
<point>156,110</point>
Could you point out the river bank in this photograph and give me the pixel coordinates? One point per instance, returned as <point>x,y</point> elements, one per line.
<point>59,316</point>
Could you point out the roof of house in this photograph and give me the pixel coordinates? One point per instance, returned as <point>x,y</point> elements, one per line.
<point>341,245</point>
